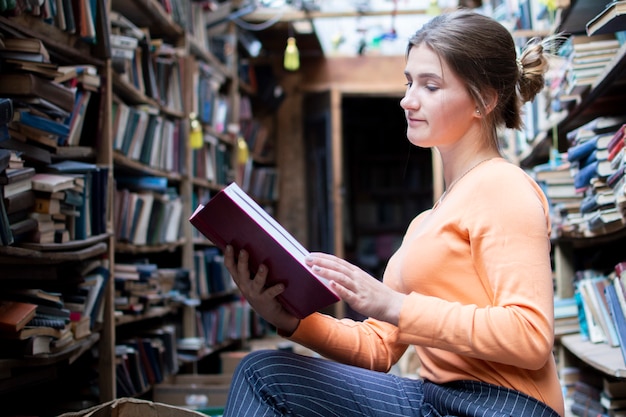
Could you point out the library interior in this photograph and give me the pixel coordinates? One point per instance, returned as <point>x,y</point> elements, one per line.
<point>122,121</point>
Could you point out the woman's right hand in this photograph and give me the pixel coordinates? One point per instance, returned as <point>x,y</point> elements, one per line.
<point>261,299</point>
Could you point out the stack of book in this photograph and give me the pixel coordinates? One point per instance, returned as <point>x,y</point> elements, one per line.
<point>16,195</point>
<point>56,202</point>
<point>557,181</point>
<point>39,330</point>
<point>594,147</point>
<point>566,316</point>
<point>586,58</point>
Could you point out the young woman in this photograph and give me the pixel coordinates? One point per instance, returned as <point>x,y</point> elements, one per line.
<point>470,288</point>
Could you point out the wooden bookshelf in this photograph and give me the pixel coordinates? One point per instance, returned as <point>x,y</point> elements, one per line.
<point>574,255</point>
<point>176,45</point>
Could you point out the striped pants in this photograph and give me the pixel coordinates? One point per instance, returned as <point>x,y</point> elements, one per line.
<point>278,383</point>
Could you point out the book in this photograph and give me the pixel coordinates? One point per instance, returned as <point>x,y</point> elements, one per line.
<point>28,151</point>
<point>6,110</point>
<point>609,20</point>
<point>30,331</point>
<point>30,85</point>
<point>40,123</point>
<point>231,217</point>
<point>25,348</point>
<point>17,187</point>
<point>617,314</point>
<point>14,315</point>
<point>35,296</point>
<point>27,46</point>
<point>51,182</point>
<point>12,175</point>
<point>6,235</point>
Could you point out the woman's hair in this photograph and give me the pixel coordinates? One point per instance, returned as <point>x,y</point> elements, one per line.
<point>482,52</point>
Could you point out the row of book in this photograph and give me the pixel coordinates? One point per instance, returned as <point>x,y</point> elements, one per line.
<point>211,276</point>
<point>38,321</point>
<point>145,360</point>
<point>76,17</point>
<point>228,322</point>
<point>530,14</point>
<point>586,184</point>
<point>203,16</point>
<point>213,161</point>
<point>143,134</point>
<point>152,67</point>
<point>147,211</point>
<point>590,394</point>
<point>261,181</point>
<point>602,306</point>
<point>209,103</point>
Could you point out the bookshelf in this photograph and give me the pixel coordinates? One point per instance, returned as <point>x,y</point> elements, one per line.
<point>580,251</point>
<point>148,57</point>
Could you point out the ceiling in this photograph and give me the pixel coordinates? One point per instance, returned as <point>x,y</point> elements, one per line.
<point>338,27</point>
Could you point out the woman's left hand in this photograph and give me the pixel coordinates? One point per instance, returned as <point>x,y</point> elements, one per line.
<point>364,293</point>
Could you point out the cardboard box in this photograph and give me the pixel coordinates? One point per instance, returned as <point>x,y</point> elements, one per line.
<point>133,407</point>
<point>230,360</point>
<point>193,390</point>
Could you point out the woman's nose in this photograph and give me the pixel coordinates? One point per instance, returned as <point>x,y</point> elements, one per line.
<point>409,101</point>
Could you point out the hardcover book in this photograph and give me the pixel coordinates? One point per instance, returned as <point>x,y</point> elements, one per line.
<point>232,217</point>
<point>30,85</point>
<point>51,182</point>
<point>14,315</point>
<point>610,20</point>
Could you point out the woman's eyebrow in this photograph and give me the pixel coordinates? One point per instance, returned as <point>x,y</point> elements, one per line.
<point>424,75</point>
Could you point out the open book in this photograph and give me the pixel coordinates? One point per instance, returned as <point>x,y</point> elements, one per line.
<point>232,217</point>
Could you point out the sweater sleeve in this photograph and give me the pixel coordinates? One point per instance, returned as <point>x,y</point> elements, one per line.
<point>370,344</point>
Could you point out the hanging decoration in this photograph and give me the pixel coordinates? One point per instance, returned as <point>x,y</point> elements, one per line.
<point>292,55</point>
<point>392,34</point>
<point>196,139</point>
<point>433,8</point>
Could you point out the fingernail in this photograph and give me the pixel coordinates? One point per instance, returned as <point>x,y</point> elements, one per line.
<point>229,249</point>
<point>262,269</point>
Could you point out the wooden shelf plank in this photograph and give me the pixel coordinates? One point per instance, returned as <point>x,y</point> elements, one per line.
<point>600,356</point>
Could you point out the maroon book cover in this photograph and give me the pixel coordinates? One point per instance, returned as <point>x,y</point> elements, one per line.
<point>232,217</point>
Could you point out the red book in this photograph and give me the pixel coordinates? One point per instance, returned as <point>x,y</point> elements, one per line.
<point>232,217</point>
<point>616,144</point>
<point>620,268</point>
<point>616,149</point>
<point>14,315</point>
<point>618,136</point>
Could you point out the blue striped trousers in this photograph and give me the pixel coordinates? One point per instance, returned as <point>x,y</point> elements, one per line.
<point>279,383</point>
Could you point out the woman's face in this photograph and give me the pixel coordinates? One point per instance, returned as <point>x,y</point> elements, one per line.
<point>438,108</point>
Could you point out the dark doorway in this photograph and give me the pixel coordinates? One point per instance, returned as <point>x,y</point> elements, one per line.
<point>388,180</point>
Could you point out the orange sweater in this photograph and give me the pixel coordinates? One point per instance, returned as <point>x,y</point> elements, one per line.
<point>476,269</point>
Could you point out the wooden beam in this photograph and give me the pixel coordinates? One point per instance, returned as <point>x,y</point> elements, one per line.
<point>290,15</point>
